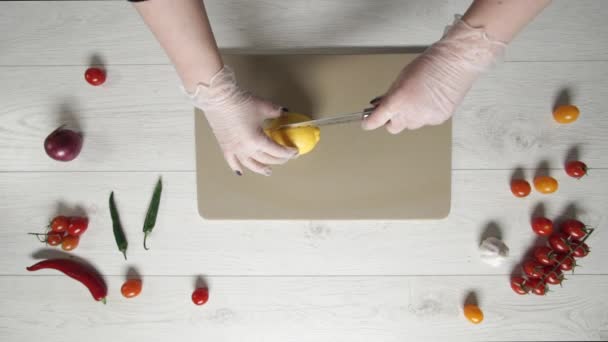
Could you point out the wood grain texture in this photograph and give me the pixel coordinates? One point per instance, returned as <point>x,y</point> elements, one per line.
<point>182,241</point>
<point>140,120</point>
<point>302,309</point>
<point>43,32</point>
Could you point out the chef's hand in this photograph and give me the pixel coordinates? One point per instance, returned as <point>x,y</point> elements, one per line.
<point>429,89</point>
<point>236,118</point>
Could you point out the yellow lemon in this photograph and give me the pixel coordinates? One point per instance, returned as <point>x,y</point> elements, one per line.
<point>303,138</point>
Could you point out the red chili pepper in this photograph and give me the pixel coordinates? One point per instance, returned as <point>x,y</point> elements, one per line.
<point>81,272</point>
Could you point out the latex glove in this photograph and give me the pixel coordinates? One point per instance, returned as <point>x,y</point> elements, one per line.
<point>493,251</point>
<point>429,89</point>
<point>236,118</point>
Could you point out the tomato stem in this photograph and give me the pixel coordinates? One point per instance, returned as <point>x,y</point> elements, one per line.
<point>103,300</point>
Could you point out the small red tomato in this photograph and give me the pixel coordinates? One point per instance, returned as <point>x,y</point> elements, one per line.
<point>78,225</point>
<point>200,296</point>
<point>544,255</point>
<point>574,228</point>
<point>59,224</point>
<point>54,239</point>
<point>520,187</point>
<point>542,226</point>
<point>533,269</point>
<point>559,242</point>
<point>537,286</point>
<point>545,184</point>
<point>553,277</point>
<point>69,242</point>
<point>518,284</point>
<point>581,250</point>
<point>131,288</point>
<point>566,263</point>
<point>95,76</point>
<point>576,169</point>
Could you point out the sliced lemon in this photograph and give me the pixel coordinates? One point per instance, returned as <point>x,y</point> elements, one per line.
<point>303,138</point>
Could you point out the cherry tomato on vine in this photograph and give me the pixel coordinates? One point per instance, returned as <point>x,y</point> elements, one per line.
<point>545,184</point>
<point>473,313</point>
<point>520,187</point>
<point>574,228</point>
<point>576,169</point>
<point>559,242</point>
<point>542,226</point>
<point>533,269</point>
<point>59,224</point>
<point>78,225</point>
<point>131,288</point>
<point>545,255</point>
<point>553,277</point>
<point>565,114</point>
<point>200,296</point>
<point>69,242</point>
<point>581,251</point>
<point>54,239</point>
<point>565,263</point>
<point>95,76</point>
<point>537,286</point>
<point>518,284</point>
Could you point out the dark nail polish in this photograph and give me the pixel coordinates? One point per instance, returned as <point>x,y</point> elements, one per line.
<point>285,109</point>
<point>376,99</point>
<point>239,173</point>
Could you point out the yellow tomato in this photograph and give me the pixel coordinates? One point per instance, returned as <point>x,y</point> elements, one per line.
<point>545,184</point>
<point>473,313</point>
<point>303,138</point>
<point>566,114</point>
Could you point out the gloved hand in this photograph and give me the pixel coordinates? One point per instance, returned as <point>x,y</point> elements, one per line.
<point>236,118</point>
<point>429,89</point>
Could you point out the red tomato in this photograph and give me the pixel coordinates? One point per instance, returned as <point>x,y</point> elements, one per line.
<point>54,239</point>
<point>59,224</point>
<point>537,286</point>
<point>545,184</point>
<point>574,228</point>
<point>545,255</point>
<point>554,277</point>
<point>518,284</point>
<point>520,187</point>
<point>131,288</point>
<point>533,269</point>
<point>559,242</point>
<point>542,226</point>
<point>566,263</point>
<point>78,225</point>
<point>576,169</point>
<point>200,296</point>
<point>70,242</point>
<point>95,76</point>
<point>581,250</point>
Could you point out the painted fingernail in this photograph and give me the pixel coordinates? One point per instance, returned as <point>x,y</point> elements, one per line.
<point>239,173</point>
<point>285,109</point>
<point>267,172</point>
<point>376,99</point>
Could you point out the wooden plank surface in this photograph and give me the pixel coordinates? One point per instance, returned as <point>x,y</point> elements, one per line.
<point>302,309</point>
<point>183,241</point>
<point>140,120</point>
<point>68,32</point>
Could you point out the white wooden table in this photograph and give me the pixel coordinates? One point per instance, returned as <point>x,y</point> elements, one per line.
<point>290,281</point>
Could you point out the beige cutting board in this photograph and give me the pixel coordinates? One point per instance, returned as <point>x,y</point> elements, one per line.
<point>352,174</point>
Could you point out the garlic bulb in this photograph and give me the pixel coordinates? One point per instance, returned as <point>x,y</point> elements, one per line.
<point>493,251</point>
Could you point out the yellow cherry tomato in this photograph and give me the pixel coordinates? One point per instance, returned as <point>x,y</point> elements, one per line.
<point>566,114</point>
<point>545,184</point>
<point>473,313</point>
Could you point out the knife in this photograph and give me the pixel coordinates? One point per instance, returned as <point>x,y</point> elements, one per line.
<point>332,120</point>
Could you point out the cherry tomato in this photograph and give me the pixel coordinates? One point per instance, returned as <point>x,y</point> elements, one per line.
<point>537,286</point>
<point>542,226</point>
<point>574,228</point>
<point>559,242</point>
<point>54,239</point>
<point>518,284</point>
<point>554,277</point>
<point>200,296</point>
<point>59,224</point>
<point>545,255</point>
<point>545,184</point>
<point>565,114</point>
<point>581,250</point>
<point>576,169</point>
<point>95,76</point>
<point>520,187</point>
<point>566,263</point>
<point>69,242</point>
<point>473,313</point>
<point>533,269</point>
<point>131,288</point>
<point>78,225</point>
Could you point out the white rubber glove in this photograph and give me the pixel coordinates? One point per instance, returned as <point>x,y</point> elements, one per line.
<point>236,118</point>
<point>429,89</point>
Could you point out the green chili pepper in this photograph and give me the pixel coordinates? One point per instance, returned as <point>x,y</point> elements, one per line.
<point>119,234</point>
<point>152,211</point>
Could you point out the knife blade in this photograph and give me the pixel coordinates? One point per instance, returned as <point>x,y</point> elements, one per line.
<point>332,120</point>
